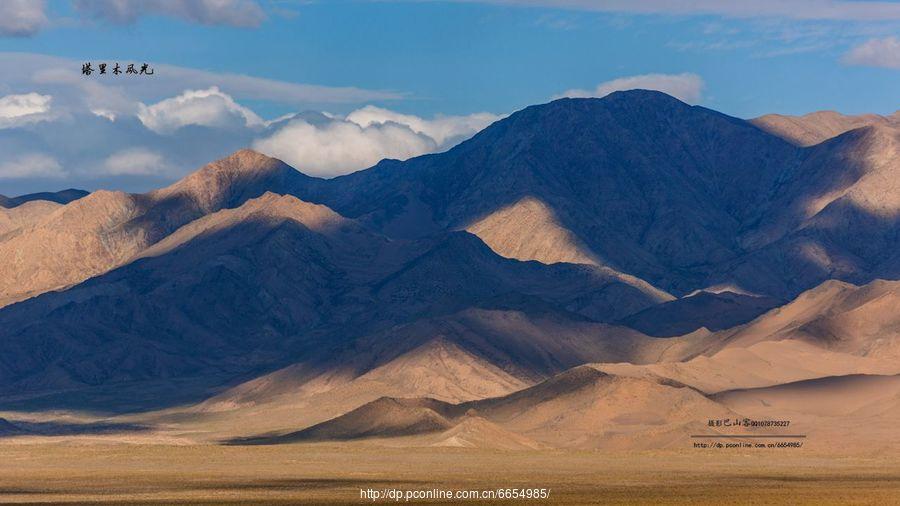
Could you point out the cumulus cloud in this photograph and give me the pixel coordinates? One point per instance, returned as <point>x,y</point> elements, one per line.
<point>137,162</point>
<point>240,13</point>
<point>686,87</point>
<point>209,107</point>
<point>339,146</point>
<point>333,146</point>
<point>17,110</point>
<point>838,10</point>
<point>31,165</point>
<point>22,18</point>
<point>441,129</point>
<point>876,53</point>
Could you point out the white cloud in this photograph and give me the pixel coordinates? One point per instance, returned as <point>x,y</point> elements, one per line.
<point>104,113</point>
<point>22,18</point>
<point>686,87</point>
<point>876,53</point>
<point>241,13</point>
<point>441,129</point>
<point>839,10</point>
<point>339,147</point>
<point>32,165</point>
<point>332,145</point>
<point>208,107</point>
<point>17,110</point>
<point>137,162</point>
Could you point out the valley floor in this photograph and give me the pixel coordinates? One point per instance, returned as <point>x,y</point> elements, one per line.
<point>94,471</point>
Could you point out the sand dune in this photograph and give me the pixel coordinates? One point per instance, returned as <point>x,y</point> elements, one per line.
<point>580,408</point>
<point>833,396</point>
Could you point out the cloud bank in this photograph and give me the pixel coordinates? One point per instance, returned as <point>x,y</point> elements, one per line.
<point>210,108</point>
<point>18,110</point>
<point>31,165</point>
<point>239,13</point>
<point>111,143</point>
<point>876,53</point>
<point>22,18</point>
<point>685,87</point>
<point>328,146</point>
<point>835,10</point>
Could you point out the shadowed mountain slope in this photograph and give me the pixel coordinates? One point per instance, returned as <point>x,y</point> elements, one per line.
<point>678,197</point>
<point>713,311</point>
<point>269,283</point>
<point>642,183</point>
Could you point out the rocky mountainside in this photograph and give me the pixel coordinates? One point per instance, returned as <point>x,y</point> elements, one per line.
<point>455,298</point>
<point>106,229</point>
<point>260,285</point>
<point>682,198</point>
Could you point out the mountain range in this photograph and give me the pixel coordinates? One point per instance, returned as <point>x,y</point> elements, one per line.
<point>584,273</point>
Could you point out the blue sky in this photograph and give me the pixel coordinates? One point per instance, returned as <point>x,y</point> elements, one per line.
<point>427,59</point>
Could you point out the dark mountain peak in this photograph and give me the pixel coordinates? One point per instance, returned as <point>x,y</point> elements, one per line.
<point>60,197</point>
<point>617,101</point>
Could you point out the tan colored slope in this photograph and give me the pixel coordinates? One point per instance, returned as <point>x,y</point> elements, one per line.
<point>269,206</point>
<point>833,396</point>
<point>834,329</point>
<point>104,230</point>
<point>878,190</point>
<point>473,355</point>
<point>304,395</point>
<point>222,183</point>
<point>580,408</point>
<point>762,364</point>
<point>81,239</point>
<point>476,432</point>
<point>530,230</point>
<point>587,408</point>
<point>817,127</point>
<point>841,317</point>
<point>24,215</point>
<point>840,414</point>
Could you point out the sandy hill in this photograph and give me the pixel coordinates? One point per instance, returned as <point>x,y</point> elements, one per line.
<point>858,320</point>
<point>470,355</point>
<point>833,396</point>
<point>580,408</point>
<point>816,127</point>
